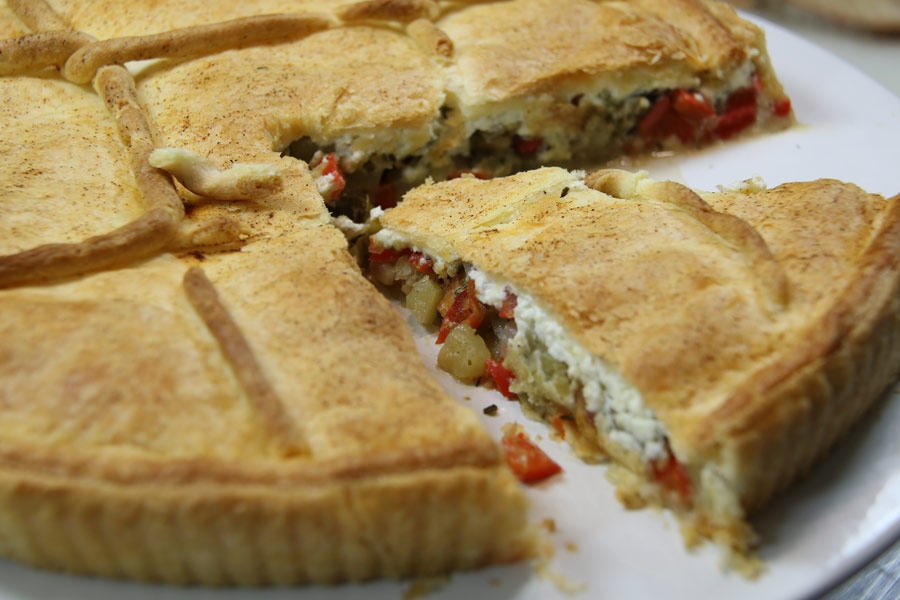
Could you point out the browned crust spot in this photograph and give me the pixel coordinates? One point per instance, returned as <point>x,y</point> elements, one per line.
<point>141,238</point>
<point>193,41</point>
<point>403,11</point>
<point>205,300</point>
<point>37,51</point>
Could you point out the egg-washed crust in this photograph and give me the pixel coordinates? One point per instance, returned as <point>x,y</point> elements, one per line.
<point>174,410</point>
<point>758,327</point>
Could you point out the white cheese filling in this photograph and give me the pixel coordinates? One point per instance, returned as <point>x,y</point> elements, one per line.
<point>618,407</point>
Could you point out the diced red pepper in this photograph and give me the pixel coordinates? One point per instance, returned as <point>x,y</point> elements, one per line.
<point>528,462</point>
<point>466,308</point>
<point>690,106</point>
<point>782,107</point>
<point>384,255</point>
<point>474,172</point>
<point>735,121</point>
<point>679,113</point>
<point>674,477</point>
<point>652,124</point>
<point>740,98</point>
<point>525,146</point>
<point>385,195</point>
<point>327,165</point>
<point>421,263</point>
<point>502,377</point>
<point>508,309</point>
<point>558,423</point>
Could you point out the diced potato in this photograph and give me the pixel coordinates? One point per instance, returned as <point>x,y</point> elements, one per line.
<point>464,354</point>
<point>383,273</point>
<point>423,298</point>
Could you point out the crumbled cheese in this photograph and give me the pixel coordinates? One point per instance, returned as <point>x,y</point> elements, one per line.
<point>619,408</point>
<point>748,186</point>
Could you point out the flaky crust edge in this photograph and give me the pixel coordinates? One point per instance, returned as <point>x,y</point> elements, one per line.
<point>788,415</point>
<point>422,523</point>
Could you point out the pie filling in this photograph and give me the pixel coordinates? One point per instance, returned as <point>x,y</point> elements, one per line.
<point>492,334</point>
<point>355,175</point>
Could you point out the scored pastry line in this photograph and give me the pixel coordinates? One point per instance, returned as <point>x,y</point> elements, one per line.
<point>193,41</point>
<point>203,297</point>
<point>772,278</point>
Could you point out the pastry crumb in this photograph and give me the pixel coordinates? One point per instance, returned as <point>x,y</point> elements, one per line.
<point>571,546</point>
<point>549,525</point>
<point>424,586</point>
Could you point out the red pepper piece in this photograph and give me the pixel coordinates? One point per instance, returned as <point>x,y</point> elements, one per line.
<point>674,477</point>
<point>421,263</point>
<point>528,462</point>
<point>327,165</point>
<point>508,309</point>
<point>782,107</point>
<point>740,98</point>
<point>689,106</point>
<point>385,196</point>
<point>466,308</point>
<point>652,124</point>
<point>502,378</point>
<point>558,423</point>
<point>384,255</point>
<point>527,146</point>
<point>735,121</point>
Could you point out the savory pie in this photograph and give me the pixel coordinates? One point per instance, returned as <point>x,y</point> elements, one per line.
<point>197,384</point>
<point>713,345</point>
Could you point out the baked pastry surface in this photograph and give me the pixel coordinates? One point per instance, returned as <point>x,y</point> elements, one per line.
<point>750,327</point>
<point>211,393</point>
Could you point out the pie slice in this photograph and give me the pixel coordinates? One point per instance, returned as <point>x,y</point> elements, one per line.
<point>376,96</point>
<point>211,394</point>
<point>713,345</point>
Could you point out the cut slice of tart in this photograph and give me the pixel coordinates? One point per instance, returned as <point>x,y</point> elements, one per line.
<point>381,95</point>
<point>713,345</point>
<point>212,394</point>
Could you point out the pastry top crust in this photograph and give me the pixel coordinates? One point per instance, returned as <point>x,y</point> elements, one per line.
<point>60,154</point>
<point>686,299</point>
<point>10,25</point>
<point>510,49</point>
<point>106,20</point>
<point>334,353</point>
<point>120,376</point>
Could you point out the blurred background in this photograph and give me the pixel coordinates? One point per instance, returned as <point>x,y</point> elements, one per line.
<point>865,33</point>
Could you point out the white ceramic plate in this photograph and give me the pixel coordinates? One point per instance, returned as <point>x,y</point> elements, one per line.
<point>823,530</point>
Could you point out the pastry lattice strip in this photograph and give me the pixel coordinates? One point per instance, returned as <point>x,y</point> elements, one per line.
<point>205,300</point>
<point>147,235</point>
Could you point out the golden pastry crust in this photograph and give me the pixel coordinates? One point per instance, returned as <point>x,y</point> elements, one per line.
<point>172,412</point>
<point>757,327</point>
